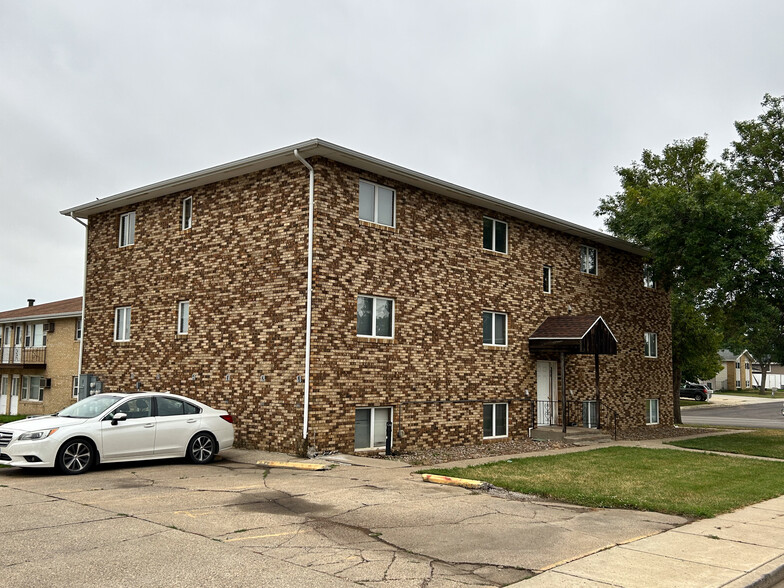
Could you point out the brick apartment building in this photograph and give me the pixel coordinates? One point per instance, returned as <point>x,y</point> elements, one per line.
<point>424,298</point>
<point>39,356</point>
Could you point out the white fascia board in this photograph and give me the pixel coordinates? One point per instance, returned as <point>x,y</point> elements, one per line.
<point>38,317</point>
<point>319,147</point>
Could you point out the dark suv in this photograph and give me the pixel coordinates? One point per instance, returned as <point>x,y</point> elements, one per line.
<point>696,391</point>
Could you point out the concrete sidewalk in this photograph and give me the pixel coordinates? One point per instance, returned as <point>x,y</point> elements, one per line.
<point>742,548</point>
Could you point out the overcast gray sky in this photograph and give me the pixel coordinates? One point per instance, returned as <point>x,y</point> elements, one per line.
<point>530,101</point>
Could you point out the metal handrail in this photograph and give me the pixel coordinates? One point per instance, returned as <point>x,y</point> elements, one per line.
<point>23,355</point>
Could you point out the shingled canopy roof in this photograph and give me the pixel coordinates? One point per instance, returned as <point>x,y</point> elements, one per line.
<point>586,334</point>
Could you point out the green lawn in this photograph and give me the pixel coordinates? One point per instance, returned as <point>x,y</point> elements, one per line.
<point>763,442</point>
<point>7,418</point>
<point>662,480</point>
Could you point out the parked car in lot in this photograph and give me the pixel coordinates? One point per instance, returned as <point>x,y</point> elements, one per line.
<point>117,427</point>
<point>695,391</point>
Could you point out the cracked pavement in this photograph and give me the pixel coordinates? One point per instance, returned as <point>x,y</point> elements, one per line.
<point>232,523</point>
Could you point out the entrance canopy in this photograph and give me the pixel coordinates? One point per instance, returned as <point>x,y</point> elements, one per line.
<point>586,334</point>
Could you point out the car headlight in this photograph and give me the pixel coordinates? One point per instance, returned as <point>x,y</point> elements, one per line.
<point>35,435</point>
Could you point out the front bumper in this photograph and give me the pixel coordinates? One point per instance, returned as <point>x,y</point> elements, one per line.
<point>29,454</point>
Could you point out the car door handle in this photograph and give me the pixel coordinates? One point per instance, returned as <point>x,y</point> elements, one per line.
<point>191,420</point>
<point>149,425</point>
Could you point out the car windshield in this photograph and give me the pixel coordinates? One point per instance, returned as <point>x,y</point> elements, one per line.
<point>90,406</point>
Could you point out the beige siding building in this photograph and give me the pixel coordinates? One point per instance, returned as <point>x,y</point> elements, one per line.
<point>39,356</point>
<point>425,299</point>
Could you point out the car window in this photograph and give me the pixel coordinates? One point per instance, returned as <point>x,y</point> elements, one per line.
<point>169,406</point>
<point>90,406</point>
<point>137,408</point>
<point>191,409</point>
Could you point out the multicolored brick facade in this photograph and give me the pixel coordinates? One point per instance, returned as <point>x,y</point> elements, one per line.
<point>243,268</point>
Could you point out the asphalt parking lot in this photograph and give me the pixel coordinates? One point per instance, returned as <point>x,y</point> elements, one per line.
<point>232,523</point>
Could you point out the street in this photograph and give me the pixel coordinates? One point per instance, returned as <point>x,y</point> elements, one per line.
<point>746,412</point>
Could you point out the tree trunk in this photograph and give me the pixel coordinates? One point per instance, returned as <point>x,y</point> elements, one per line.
<point>676,394</point>
<point>764,368</point>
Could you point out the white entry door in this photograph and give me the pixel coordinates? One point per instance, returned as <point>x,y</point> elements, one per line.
<point>546,392</point>
<point>6,357</point>
<point>4,394</point>
<point>14,395</point>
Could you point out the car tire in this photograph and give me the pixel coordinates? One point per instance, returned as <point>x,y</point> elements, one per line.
<point>202,448</point>
<point>76,456</point>
<point>700,397</point>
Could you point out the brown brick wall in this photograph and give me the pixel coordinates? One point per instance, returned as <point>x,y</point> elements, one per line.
<point>243,266</point>
<point>434,266</point>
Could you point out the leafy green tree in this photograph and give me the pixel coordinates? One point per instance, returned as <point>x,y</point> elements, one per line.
<point>702,233</point>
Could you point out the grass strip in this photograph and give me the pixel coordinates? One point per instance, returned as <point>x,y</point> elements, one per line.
<point>762,443</point>
<point>695,485</point>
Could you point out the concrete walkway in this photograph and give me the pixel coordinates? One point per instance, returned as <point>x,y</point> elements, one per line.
<point>741,548</point>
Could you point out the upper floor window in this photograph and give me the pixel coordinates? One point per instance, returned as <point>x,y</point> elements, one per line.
<point>651,345</point>
<point>589,260</point>
<point>35,336</point>
<point>647,276</point>
<point>127,228</point>
<point>376,204</point>
<point>78,330</point>
<point>187,213</point>
<point>75,386</point>
<point>547,279</point>
<point>494,235</point>
<point>375,316</point>
<point>494,328</point>
<point>122,323</point>
<point>737,365</point>
<point>183,310</point>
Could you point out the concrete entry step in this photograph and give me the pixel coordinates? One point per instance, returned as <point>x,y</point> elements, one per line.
<point>577,435</point>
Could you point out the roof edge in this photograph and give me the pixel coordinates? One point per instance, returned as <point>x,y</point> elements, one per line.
<point>347,156</point>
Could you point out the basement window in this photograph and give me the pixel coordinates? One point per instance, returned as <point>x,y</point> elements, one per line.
<point>652,411</point>
<point>495,420</point>
<point>370,427</point>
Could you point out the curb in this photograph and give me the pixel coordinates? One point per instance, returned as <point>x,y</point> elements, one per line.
<point>294,465</point>
<point>446,480</point>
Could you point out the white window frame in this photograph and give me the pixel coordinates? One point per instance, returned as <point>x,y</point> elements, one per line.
<point>548,271</point>
<point>494,405</point>
<point>375,220</point>
<point>186,305</point>
<point>737,365</point>
<point>127,232</point>
<point>649,404</point>
<point>737,384</point>
<point>373,319</point>
<point>583,253</point>
<point>496,222</point>
<point>651,343</point>
<point>506,328</point>
<point>75,386</point>
<point>78,331</point>
<point>372,410</point>
<point>647,276</point>
<point>187,219</point>
<point>32,330</point>
<point>120,328</point>
<point>27,388</point>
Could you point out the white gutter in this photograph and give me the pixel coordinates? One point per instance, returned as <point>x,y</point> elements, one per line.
<point>84,297</point>
<point>309,313</point>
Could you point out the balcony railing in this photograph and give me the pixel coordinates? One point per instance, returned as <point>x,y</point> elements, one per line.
<point>579,413</point>
<point>23,356</point>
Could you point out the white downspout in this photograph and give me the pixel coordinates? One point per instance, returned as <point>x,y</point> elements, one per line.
<point>310,297</point>
<point>84,296</point>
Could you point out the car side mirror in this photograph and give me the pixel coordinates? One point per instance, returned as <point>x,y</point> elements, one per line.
<point>120,416</point>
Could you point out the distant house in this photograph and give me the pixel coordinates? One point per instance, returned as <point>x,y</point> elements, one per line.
<point>39,356</point>
<point>736,372</point>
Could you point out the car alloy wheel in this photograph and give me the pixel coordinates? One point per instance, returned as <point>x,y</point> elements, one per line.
<point>201,448</point>
<point>75,457</point>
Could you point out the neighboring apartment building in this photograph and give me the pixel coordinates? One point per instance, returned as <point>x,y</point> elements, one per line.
<point>39,356</point>
<point>424,297</point>
<point>736,371</point>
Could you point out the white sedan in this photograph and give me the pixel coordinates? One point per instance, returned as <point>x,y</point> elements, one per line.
<point>117,427</point>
